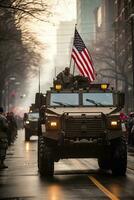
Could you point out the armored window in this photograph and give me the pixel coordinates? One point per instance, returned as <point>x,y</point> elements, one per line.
<point>64,99</point>
<point>98,99</point>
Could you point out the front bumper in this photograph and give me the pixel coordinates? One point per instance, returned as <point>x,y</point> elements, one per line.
<point>80,150</point>
<point>104,136</point>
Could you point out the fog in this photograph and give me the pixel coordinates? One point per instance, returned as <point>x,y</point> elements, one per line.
<point>46,33</point>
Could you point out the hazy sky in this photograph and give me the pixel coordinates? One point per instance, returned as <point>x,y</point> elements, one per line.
<point>63,10</point>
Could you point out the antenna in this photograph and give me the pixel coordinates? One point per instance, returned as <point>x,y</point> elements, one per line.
<point>55,72</point>
<point>39,80</point>
<point>71,53</point>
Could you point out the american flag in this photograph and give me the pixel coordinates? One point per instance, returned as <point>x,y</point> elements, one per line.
<point>82,58</point>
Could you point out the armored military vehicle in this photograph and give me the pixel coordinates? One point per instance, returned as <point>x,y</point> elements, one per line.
<point>31,122</point>
<point>82,121</point>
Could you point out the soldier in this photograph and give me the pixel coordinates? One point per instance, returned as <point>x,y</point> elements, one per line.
<point>65,77</point>
<point>25,117</point>
<point>12,133</point>
<point>3,138</point>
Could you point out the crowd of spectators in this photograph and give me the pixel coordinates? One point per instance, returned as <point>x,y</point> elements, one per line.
<point>128,120</point>
<point>9,124</point>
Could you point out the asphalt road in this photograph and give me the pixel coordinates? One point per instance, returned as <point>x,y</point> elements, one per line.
<point>74,179</point>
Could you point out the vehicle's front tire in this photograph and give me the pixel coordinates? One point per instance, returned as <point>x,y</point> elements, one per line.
<point>119,157</point>
<point>45,160</point>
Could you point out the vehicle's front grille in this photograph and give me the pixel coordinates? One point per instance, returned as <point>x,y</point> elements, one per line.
<point>84,127</point>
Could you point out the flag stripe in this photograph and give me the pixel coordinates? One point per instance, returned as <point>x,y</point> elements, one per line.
<point>78,64</point>
<point>86,57</point>
<point>82,58</point>
<point>79,67</point>
<point>87,64</point>
<point>83,65</point>
<point>89,59</point>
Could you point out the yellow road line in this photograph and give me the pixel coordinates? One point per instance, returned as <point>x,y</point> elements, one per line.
<point>103,189</point>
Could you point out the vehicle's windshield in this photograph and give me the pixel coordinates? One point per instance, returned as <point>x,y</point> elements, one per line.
<point>33,116</point>
<point>97,99</point>
<point>64,99</point>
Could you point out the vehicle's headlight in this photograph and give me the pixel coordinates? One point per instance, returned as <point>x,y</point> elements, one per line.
<point>27,122</point>
<point>114,123</point>
<point>53,124</point>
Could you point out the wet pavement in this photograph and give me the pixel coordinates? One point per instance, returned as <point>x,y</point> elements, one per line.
<point>74,179</point>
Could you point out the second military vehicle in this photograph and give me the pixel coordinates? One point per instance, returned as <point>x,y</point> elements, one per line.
<point>82,121</point>
<point>31,123</point>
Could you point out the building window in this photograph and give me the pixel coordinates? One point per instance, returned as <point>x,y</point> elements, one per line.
<point>99,17</point>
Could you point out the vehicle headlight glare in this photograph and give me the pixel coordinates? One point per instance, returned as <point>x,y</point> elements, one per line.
<point>53,124</point>
<point>27,122</point>
<point>114,123</point>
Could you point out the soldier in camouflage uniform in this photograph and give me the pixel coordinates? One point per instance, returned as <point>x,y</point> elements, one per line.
<point>65,77</point>
<point>3,138</point>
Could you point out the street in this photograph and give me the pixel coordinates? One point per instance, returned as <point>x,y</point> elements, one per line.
<point>73,179</point>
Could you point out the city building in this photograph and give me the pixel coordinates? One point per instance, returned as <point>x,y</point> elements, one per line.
<point>86,23</point>
<point>104,48</point>
<point>64,41</point>
<point>124,43</point>
<point>104,15</point>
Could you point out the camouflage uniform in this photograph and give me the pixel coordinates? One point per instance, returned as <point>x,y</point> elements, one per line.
<point>3,139</point>
<point>12,133</point>
<point>65,78</point>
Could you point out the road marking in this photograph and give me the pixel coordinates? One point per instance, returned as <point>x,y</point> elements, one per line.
<point>103,189</point>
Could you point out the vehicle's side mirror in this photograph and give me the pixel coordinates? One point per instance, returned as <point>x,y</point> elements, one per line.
<point>121,99</point>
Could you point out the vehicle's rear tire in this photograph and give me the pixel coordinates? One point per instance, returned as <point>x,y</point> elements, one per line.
<point>119,157</point>
<point>27,136</point>
<point>45,160</point>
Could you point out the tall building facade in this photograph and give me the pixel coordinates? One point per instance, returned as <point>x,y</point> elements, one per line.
<point>104,45</point>
<point>86,19</point>
<point>110,23</point>
<point>64,40</point>
<point>104,15</point>
<point>124,42</point>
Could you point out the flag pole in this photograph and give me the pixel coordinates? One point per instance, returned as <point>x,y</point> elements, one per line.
<point>70,62</point>
<point>39,80</point>
<point>73,68</point>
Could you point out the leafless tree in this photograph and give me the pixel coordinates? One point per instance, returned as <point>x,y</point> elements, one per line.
<point>19,53</point>
<point>111,66</point>
<point>26,8</point>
